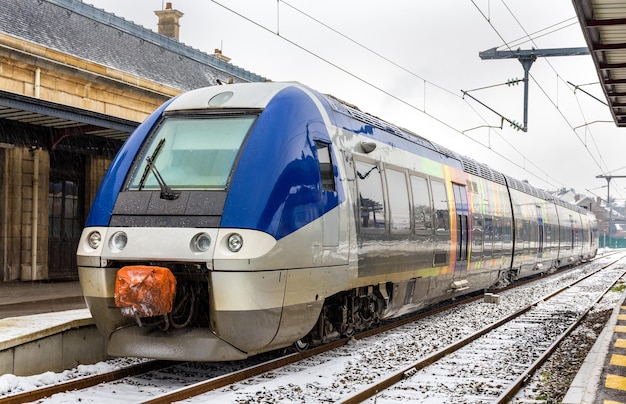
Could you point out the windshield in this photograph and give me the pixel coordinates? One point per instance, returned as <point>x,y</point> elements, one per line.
<point>191,153</point>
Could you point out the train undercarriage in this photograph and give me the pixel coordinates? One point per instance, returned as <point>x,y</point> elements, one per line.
<point>343,315</point>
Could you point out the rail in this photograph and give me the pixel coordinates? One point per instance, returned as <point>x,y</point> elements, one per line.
<point>513,388</point>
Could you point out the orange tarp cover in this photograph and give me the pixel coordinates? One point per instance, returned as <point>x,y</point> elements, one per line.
<point>144,291</point>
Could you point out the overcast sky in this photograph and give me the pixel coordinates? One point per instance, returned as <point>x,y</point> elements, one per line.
<point>407,62</point>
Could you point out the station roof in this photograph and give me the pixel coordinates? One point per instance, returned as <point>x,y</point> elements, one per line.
<point>604,26</point>
<point>89,33</point>
<point>65,120</point>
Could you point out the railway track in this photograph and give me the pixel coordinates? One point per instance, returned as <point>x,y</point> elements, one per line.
<point>529,336</point>
<point>228,377</point>
<point>85,382</point>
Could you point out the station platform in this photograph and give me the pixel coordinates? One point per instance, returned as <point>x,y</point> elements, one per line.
<point>45,326</point>
<point>25,298</point>
<point>602,377</point>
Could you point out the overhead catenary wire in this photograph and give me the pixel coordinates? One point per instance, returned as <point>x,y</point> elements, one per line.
<point>584,143</point>
<point>534,35</point>
<point>555,104</point>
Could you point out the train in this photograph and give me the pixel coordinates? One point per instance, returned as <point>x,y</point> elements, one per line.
<point>250,217</point>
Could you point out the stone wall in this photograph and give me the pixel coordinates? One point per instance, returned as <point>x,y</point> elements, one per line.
<point>17,182</point>
<point>32,70</point>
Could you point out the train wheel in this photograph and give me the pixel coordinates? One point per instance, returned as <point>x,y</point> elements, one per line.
<point>301,345</point>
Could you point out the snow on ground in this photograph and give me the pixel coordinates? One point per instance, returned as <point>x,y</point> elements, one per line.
<point>325,378</point>
<point>11,384</point>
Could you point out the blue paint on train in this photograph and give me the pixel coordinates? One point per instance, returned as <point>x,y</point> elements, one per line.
<point>276,187</point>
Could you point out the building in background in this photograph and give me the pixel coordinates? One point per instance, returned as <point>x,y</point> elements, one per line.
<point>616,220</point>
<point>74,83</point>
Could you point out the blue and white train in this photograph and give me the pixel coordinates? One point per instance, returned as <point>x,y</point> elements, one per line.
<point>249,217</point>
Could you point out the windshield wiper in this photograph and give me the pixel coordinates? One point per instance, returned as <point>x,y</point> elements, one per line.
<point>166,191</point>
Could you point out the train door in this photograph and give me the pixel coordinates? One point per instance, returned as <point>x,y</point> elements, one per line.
<point>540,234</point>
<point>65,220</point>
<point>442,224</point>
<point>462,231</point>
<point>330,220</point>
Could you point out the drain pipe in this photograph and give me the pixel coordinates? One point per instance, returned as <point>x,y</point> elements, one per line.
<point>33,268</point>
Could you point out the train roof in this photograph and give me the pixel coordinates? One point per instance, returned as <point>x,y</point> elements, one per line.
<point>239,95</point>
<point>258,95</point>
<point>469,165</point>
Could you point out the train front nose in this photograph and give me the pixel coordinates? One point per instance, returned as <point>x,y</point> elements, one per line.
<point>176,287</point>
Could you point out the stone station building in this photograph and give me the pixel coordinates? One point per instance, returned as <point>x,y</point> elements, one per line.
<point>74,82</point>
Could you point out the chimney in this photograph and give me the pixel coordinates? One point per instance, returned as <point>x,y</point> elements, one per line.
<point>168,21</point>
<point>218,54</point>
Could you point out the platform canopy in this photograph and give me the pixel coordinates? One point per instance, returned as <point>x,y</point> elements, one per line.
<point>62,118</point>
<point>604,26</point>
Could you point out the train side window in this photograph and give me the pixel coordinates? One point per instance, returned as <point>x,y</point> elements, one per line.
<point>371,202</point>
<point>327,174</point>
<point>507,230</point>
<point>399,210</point>
<point>497,230</point>
<point>422,214</point>
<point>497,237</point>
<point>440,204</point>
<point>548,233</point>
<point>477,236</point>
<point>488,236</point>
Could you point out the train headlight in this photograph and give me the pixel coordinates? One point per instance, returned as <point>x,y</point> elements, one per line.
<point>118,241</point>
<point>235,242</point>
<point>200,242</point>
<point>94,239</point>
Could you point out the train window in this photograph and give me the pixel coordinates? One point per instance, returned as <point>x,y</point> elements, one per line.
<point>526,233</point>
<point>472,186</point>
<point>477,237</point>
<point>497,230</point>
<point>497,237</point>
<point>399,211</point>
<point>371,201</point>
<point>422,215</point>
<point>548,231</point>
<point>327,173</point>
<point>196,153</point>
<point>440,203</point>
<point>488,238</point>
<point>507,230</point>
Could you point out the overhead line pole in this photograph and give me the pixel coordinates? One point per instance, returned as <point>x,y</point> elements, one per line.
<point>608,201</point>
<point>526,58</point>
